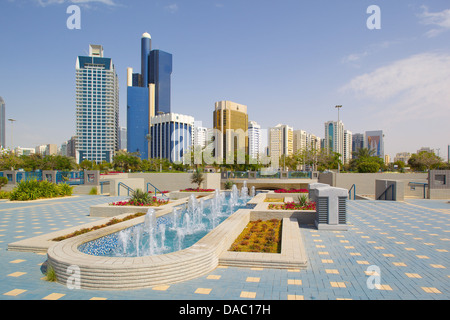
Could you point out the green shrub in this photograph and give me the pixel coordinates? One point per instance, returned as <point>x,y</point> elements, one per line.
<point>368,167</point>
<point>3,181</point>
<point>65,189</point>
<point>4,194</point>
<point>33,189</point>
<point>93,191</point>
<point>50,274</point>
<point>140,196</point>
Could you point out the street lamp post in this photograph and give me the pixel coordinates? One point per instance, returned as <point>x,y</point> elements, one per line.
<point>12,145</point>
<point>338,107</point>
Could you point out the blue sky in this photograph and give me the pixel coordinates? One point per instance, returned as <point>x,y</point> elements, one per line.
<point>289,61</point>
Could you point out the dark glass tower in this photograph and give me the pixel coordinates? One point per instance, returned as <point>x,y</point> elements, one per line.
<point>148,95</point>
<point>160,74</point>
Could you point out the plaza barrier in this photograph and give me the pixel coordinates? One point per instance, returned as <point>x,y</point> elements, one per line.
<point>331,206</point>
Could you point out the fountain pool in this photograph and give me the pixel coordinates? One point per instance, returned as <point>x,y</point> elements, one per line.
<point>175,231</point>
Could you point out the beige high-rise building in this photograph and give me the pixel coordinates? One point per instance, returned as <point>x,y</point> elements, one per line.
<point>230,121</point>
<point>305,141</point>
<point>281,142</point>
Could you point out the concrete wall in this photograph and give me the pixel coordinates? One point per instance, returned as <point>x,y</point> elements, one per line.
<point>395,193</point>
<point>365,182</point>
<point>162,181</point>
<point>439,185</point>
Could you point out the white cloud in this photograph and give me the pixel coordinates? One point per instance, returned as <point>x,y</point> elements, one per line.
<point>408,99</point>
<point>354,57</point>
<point>172,8</point>
<point>441,20</point>
<point>44,3</point>
<point>414,88</point>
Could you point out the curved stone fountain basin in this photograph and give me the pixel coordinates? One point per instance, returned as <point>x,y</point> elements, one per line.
<point>109,273</point>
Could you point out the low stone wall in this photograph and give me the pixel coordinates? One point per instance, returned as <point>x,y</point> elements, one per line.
<point>106,210</point>
<point>175,195</point>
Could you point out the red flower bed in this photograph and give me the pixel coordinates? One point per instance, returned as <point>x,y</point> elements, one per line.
<point>293,206</point>
<point>197,190</point>
<point>291,191</point>
<point>156,203</point>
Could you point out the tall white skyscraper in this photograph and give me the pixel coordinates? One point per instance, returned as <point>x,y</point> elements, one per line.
<point>338,140</point>
<point>254,140</point>
<point>199,134</point>
<point>348,150</point>
<point>97,100</point>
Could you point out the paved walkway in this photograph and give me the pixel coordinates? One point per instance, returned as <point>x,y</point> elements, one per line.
<point>399,249</point>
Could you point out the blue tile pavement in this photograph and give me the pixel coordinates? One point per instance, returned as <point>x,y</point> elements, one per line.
<point>407,242</point>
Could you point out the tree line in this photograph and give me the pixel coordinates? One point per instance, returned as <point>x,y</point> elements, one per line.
<point>364,161</point>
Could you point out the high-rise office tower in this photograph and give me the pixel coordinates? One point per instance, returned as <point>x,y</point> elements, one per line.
<point>375,141</point>
<point>2,123</point>
<point>358,141</point>
<point>148,95</point>
<point>122,138</point>
<point>171,136</point>
<point>97,101</point>
<point>230,121</point>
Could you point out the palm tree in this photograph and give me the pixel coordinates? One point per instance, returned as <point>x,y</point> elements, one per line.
<point>197,178</point>
<point>364,153</point>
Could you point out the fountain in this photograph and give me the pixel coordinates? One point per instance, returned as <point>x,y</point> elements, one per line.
<point>244,191</point>
<point>252,192</point>
<point>178,230</point>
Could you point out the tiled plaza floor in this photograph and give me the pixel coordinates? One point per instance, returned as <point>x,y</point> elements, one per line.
<point>404,245</point>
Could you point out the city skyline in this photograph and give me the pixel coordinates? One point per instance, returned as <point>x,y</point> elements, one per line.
<point>290,63</point>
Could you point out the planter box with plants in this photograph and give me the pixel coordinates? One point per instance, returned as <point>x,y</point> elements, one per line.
<point>34,190</point>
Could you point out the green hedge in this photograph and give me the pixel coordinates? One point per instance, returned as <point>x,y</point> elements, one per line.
<point>32,190</point>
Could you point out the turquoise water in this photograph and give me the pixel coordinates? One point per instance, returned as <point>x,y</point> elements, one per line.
<point>176,231</point>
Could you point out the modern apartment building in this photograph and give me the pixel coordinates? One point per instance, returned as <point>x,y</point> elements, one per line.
<point>148,95</point>
<point>200,134</point>
<point>305,141</point>
<point>254,140</point>
<point>281,142</point>
<point>171,136</point>
<point>2,123</point>
<point>97,107</point>
<point>230,121</point>
<point>338,140</point>
<point>402,156</point>
<point>348,151</point>
<point>334,137</point>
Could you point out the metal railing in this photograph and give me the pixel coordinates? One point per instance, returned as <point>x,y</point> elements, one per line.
<point>391,187</point>
<point>350,192</point>
<point>267,175</point>
<point>123,185</point>
<point>156,190</point>
<point>424,184</point>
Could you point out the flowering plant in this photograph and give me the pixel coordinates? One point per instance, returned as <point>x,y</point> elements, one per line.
<point>310,205</point>
<point>197,190</point>
<point>154,203</point>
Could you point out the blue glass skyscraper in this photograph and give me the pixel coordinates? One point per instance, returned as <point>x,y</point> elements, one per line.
<point>148,94</point>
